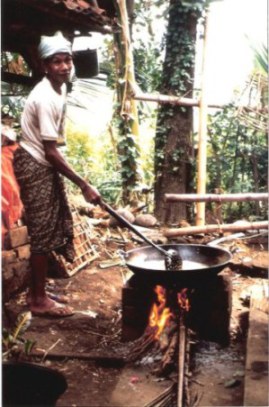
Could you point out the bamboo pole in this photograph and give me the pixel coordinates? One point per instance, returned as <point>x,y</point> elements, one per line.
<point>202,133</point>
<point>182,101</point>
<point>174,100</point>
<point>244,197</point>
<point>193,230</point>
<point>181,361</point>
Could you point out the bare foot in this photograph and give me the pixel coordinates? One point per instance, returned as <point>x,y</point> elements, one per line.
<point>61,298</point>
<point>51,308</point>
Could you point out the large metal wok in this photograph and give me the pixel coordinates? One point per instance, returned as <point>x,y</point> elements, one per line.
<point>198,261</point>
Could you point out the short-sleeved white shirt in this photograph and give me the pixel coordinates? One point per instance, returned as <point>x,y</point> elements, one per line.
<point>43,119</point>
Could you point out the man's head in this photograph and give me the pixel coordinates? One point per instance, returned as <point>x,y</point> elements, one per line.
<point>56,54</point>
<point>55,44</point>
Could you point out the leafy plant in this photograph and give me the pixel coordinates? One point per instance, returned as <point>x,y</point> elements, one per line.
<point>13,343</point>
<point>237,161</point>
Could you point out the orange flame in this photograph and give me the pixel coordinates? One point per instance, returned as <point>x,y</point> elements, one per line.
<point>159,315</point>
<point>183,300</point>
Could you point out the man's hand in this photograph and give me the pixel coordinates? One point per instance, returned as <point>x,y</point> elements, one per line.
<point>56,159</point>
<point>91,194</point>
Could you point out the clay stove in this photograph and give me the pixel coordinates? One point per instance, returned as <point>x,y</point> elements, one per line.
<point>209,298</point>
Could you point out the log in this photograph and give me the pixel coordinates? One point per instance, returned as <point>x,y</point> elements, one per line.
<point>193,230</point>
<point>165,336</point>
<point>216,197</point>
<point>168,359</point>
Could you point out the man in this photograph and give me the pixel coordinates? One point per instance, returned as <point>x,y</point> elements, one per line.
<point>38,164</point>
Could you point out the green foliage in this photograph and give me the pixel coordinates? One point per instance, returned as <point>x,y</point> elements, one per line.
<point>180,46</point>
<point>13,94</point>
<point>95,159</point>
<point>177,79</point>
<point>12,107</point>
<point>99,161</point>
<point>260,53</point>
<point>261,57</point>
<point>237,160</point>
<point>13,342</point>
<point>136,166</point>
<point>165,126</point>
<point>148,66</point>
<point>128,157</point>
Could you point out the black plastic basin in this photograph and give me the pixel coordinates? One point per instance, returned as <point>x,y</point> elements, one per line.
<point>27,384</point>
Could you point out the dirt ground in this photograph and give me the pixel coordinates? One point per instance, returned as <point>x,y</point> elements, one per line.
<point>216,373</point>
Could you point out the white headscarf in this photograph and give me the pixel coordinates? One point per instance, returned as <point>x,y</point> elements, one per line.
<point>53,45</point>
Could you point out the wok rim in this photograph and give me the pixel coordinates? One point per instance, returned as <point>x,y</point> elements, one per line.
<point>213,268</point>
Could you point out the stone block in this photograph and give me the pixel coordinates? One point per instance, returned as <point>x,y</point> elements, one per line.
<point>24,252</point>
<point>18,236</point>
<point>8,256</point>
<point>17,268</point>
<point>15,277</point>
<point>8,272</point>
<point>22,268</point>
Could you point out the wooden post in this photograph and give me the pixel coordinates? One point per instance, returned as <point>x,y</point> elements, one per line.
<point>202,132</point>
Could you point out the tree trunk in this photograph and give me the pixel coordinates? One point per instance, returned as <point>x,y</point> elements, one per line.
<point>173,145</point>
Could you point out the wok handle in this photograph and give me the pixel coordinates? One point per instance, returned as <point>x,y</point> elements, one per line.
<point>125,222</point>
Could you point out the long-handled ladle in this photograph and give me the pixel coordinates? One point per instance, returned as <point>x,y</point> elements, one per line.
<point>173,260</point>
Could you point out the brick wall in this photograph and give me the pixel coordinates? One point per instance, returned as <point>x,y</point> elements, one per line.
<point>16,255</point>
<point>15,261</point>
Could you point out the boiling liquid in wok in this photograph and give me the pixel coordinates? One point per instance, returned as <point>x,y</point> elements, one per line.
<point>160,265</point>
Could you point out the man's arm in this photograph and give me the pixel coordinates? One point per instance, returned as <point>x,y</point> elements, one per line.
<point>56,159</point>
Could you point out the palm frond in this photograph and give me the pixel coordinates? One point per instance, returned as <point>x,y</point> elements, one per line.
<point>260,53</point>
<point>261,59</point>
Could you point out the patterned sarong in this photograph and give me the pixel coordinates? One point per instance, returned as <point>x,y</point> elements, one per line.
<point>48,216</point>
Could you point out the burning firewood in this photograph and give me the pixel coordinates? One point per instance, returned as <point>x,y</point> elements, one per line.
<point>168,361</point>
<point>166,335</point>
<point>161,336</point>
<point>141,346</point>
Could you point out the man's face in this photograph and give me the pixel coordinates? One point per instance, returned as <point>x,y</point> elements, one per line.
<point>58,68</point>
